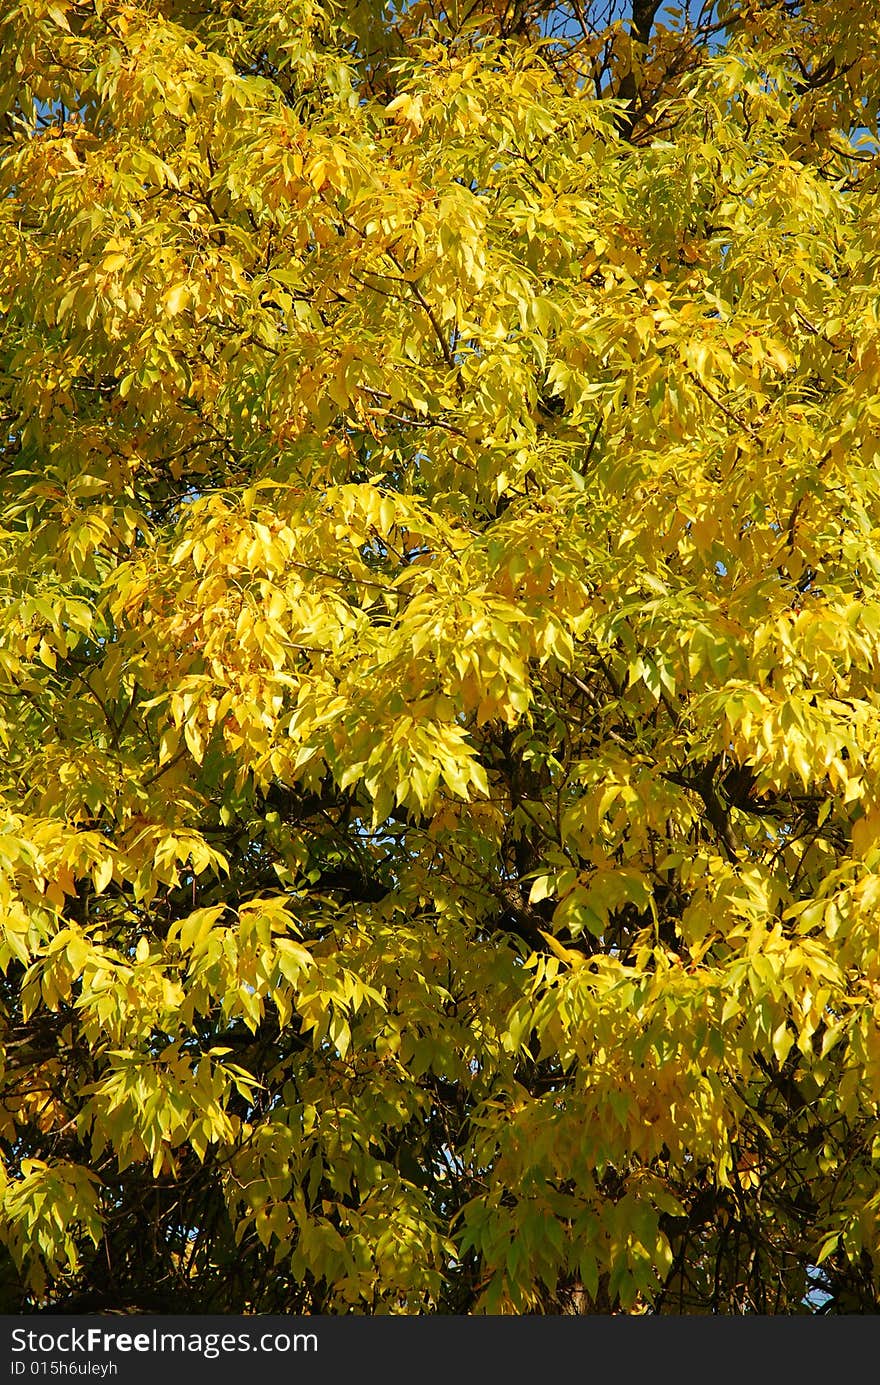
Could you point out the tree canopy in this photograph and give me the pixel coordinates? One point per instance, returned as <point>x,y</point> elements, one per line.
<point>439,657</point>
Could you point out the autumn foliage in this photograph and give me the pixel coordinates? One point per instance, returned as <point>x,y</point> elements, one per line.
<point>439,657</point>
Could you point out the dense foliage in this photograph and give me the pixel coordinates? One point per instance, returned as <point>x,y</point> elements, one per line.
<point>439,657</point>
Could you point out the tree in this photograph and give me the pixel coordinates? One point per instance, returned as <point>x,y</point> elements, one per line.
<point>440,657</point>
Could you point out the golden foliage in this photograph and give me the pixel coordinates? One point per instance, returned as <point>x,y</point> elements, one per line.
<point>439,659</point>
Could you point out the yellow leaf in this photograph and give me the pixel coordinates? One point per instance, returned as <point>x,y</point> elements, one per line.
<point>46,655</point>
<point>58,14</point>
<point>565,954</point>
<point>102,874</point>
<point>175,300</point>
